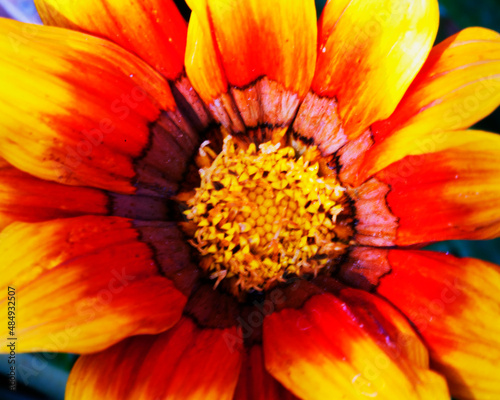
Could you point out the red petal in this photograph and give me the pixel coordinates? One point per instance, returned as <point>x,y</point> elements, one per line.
<point>450,194</point>
<point>436,187</point>
<point>152,29</point>
<point>454,304</point>
<point>28,199</point>
<point>184,363</point>
<point>255,383</point>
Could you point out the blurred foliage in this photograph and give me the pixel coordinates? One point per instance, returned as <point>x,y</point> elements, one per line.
<point>488,250</point>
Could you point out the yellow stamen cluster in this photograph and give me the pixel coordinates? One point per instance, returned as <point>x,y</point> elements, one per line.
<point>260,215</point>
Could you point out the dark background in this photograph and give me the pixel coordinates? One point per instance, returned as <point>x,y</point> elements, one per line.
<point>46,374</point>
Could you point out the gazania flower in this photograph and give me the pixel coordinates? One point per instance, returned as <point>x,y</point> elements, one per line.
<point>230,209</point>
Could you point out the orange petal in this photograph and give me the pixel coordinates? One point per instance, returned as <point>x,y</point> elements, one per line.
<point>369,53</point>
<point>77,109</point>
<point>84,284</point>
<point>352,346</point>
<point>454,305</point>
<point>452,193</point>
<point>28,199</point>
<point>255,383</point>
<point>265,50</point>
<point>458,86</point>
<point>186,362</point>
<point>152,29</point>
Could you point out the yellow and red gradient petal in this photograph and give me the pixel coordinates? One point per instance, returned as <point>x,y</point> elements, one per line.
<point>451,193</point>
<point>75,108</point>
<point>28,199</point>
<point>453,303</point>
<point>458,85</point>
<point>264,50</point>
<point>368,55</point>
<point>352,346</point>
<point>154,30</point>
<point>85,284</point>
<point>187,362</point>
<point>411,142</point>
<point>255,383</point>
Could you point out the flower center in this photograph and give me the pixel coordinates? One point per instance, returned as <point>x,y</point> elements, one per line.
<point>263,215</point>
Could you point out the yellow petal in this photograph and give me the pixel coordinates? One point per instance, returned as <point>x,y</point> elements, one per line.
<point>353,346</point>
<point>28,199</point>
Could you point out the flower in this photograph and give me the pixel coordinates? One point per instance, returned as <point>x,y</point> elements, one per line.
<point>233,209</point>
